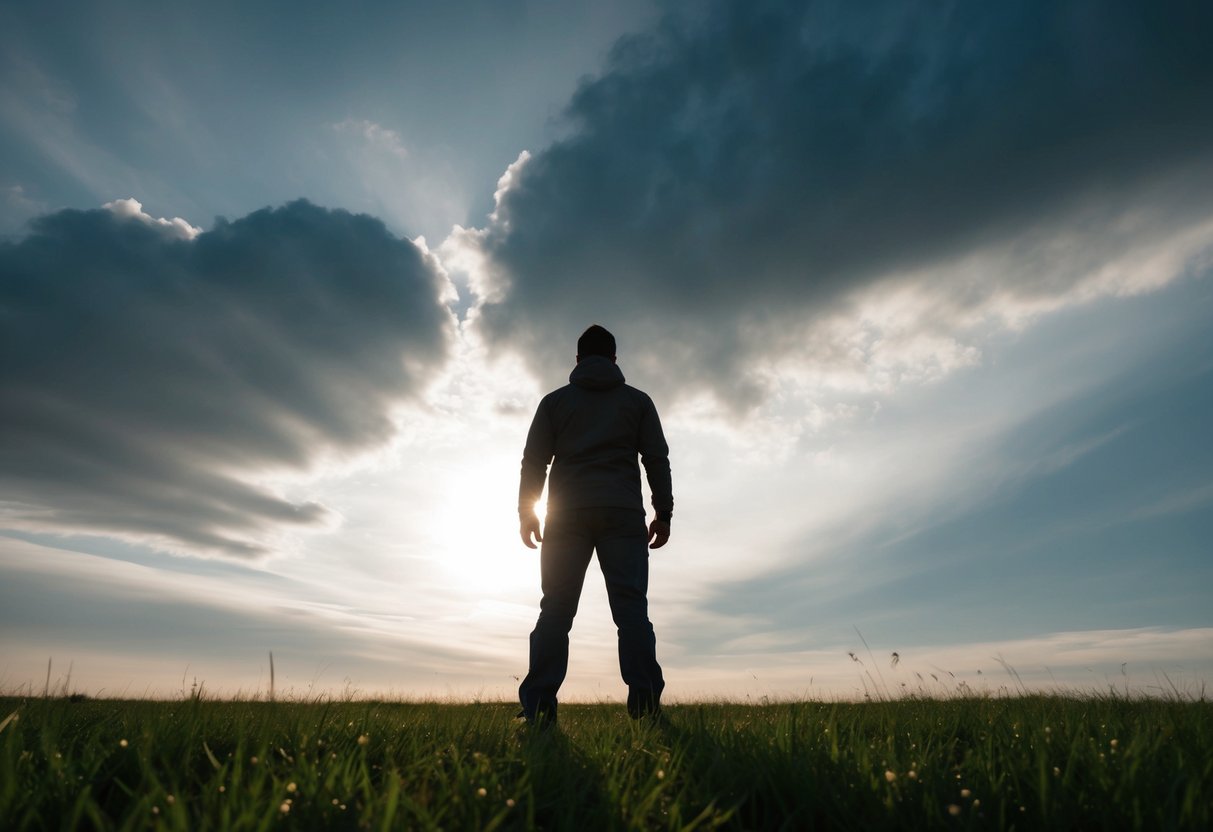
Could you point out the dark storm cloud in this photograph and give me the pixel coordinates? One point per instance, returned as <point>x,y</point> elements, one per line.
<point>148,380</point>
<point>728,180</point>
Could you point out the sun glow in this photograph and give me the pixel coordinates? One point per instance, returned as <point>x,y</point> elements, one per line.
<point>475,532</point>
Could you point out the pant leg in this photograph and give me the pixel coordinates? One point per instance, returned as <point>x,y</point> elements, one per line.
<point>623,554</point>
<point>564,555</point>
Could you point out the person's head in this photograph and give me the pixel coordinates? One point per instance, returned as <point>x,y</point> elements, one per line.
<point>596,341</point>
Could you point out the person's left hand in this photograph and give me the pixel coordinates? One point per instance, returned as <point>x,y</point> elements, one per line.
<point>659,534</point>
<point>529,525</point>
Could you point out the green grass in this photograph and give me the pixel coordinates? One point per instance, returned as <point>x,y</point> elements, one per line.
<point>1023,763</point>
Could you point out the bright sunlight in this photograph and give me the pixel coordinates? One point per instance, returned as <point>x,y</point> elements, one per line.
<point>475,532</point>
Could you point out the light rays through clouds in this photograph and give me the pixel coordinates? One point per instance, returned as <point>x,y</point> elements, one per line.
<point>924,299</point>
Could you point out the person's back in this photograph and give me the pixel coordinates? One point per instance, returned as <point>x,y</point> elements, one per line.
<point>594,427</point>
<point>592,431</point>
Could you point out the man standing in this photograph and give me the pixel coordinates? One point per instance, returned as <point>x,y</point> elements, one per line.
<point>594,428</point>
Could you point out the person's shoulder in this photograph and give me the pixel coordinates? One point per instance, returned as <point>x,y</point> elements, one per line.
<point>556,395</point>
<point>638,394</point>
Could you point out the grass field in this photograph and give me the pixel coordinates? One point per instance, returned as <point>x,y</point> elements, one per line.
<point>1023,763</point>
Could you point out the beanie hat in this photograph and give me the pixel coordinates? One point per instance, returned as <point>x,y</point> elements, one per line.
<point>596,341</point>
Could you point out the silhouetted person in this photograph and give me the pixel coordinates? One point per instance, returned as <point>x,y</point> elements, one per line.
<point>592,430</point>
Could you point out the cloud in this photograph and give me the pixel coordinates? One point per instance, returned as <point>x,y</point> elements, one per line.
<point>155,378</point>
<point>788,191</point>
<point>132,208</point>
<point>376,135</point>
<point>91,614</point>
<point>118,622</point>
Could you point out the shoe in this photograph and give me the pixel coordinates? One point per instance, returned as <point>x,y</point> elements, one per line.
<point>540,721</point>
<point>654,719</point>
<point>643,703</point>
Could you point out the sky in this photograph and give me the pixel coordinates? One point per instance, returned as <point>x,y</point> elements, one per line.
<point>923,293</point>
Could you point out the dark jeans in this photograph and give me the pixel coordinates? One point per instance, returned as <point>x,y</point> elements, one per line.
<point>569,540</point>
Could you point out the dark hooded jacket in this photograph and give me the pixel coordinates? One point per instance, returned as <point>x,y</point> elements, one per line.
<point>591,431</point>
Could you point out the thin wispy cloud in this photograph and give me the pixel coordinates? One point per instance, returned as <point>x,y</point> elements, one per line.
<point>374,134</point>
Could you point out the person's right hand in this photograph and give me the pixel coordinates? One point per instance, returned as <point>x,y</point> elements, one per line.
<point>529,525</point>
<point>659,534</point>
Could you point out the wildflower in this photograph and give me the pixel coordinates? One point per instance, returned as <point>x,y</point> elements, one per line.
<point>284,808</point>
<point>291,787</point>
<point>510,803</point>
<point>890,776</point>
<point>222,789</point>
<point>482,792</point>
<point>155,810</point>
<point>1114,743</point>
<point>660,774</point>
<point>912,774</point>
<point>169,799</point>
<point>252,761</point>
<point>123,743</point>
<point>1056,771</point>
<point>976,803</point>
<point>363,739</point>
<point>335,801</point>
<point>953,809</point>
<point>965,792</point>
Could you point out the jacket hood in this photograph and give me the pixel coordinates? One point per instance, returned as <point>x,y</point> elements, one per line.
<point>596,372</point>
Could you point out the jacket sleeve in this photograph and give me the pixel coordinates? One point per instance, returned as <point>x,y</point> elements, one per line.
<point>540,446</point>
<point>655,456</point>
